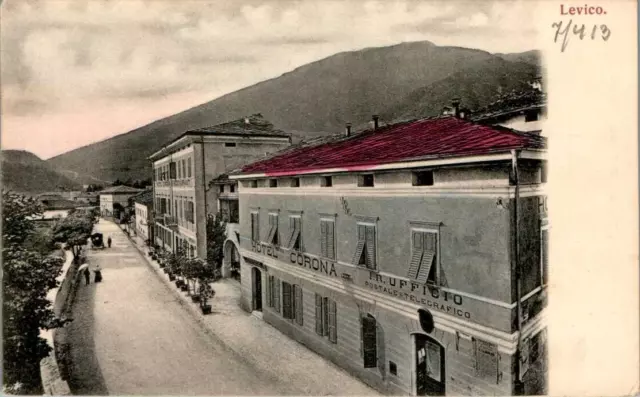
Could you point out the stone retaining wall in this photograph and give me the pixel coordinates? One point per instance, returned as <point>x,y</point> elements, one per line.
<point>53,369</point>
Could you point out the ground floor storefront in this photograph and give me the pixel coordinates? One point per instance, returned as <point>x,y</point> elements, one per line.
<point>394,348</point>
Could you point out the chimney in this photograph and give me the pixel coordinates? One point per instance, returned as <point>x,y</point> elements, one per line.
<point>455,103</point>
<point>375,121</point>
<point>347,131</point>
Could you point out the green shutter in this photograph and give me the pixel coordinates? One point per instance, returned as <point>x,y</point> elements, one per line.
<point>333,327</point>
<point>298,303</point>
<point>369,342</point>
<point>318,314</point>
<point>325,316</point>
<point>544,253</point>
<point>428,258</point>
<point>269,291</point>
<point>272,228</point>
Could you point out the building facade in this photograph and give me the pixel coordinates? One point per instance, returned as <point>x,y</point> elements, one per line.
<point>143,208</point>
<point>115,199</point>
<point>184,168</point>
<point>393,253</point>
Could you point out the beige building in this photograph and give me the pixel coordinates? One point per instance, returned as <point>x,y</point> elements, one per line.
<point>184,168</point>
<point>114,199</point>
<point>412,255</point>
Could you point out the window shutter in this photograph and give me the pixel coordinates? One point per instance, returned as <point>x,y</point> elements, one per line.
<point>323,238</point>
<point>325,316</point>
<point>416,256</point>
<point>331,249</point>
<point>524,357</point>
<point>371,247</point>
<point>277,296</point>
<point>318,314</point>
<point>269,291</point>
<point>430,246</point>
<point>294,225</point>
<point>358,254</point>
<point>333,327</point>
<point>544,253</point>
<point>272,228</point>
<point>369,342</point>
<point>286,300</point>
<point>298,303</point>
<point>486,355</point>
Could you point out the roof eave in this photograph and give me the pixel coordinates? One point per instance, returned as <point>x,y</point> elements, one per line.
<point>425,161</point>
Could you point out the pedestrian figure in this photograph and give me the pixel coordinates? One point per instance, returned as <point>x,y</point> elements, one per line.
<point>87,275</point>
<point>98,272</point>
<point>109,241</point>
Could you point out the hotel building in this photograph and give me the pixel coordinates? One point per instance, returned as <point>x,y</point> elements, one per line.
<point>413,255</point>
<point>183,168</point>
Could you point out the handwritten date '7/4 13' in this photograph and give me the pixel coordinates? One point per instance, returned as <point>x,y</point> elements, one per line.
<point>581,30</point>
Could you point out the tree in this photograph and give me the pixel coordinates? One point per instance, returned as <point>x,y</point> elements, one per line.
<point>216,236</point>
<point>74,230</point>
<point>28,275</point>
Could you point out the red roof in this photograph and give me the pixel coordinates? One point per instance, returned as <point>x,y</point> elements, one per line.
<point>407,141</point>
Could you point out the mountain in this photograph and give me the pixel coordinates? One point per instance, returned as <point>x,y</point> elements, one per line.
<point>315,99</point>
<point>25,172</point>
<point>533,57</point>
<point>476,86</point>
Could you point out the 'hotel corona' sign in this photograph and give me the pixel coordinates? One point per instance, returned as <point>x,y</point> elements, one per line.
<point>298,258</point>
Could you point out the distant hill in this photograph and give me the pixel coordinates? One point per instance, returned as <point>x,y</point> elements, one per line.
<point>318,98</point>
<point>25,172</point>
<point>476,86</point>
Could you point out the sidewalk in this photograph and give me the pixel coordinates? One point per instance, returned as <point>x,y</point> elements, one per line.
<point>262,345</point>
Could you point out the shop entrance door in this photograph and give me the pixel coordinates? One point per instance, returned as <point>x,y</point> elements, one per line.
<point>257,289</point>
<point>430,377</point>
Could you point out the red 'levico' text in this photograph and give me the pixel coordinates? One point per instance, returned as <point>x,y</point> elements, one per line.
<point>584,10</point>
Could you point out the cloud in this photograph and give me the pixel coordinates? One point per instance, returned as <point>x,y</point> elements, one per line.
<point>65,54</point>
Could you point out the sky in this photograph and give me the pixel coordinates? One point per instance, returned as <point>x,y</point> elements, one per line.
<point>74,72</point>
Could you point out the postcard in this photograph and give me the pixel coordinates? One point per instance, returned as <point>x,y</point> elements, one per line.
<point>320,197</point>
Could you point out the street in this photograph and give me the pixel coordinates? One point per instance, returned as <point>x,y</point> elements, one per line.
<point>130,336</point>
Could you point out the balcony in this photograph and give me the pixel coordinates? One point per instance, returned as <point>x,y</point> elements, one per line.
<point>171,221</point>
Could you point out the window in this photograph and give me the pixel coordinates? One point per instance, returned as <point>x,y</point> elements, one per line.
<point>295,236</point>
<point>423,178</point>
<point>295,182</point>
<point>369,341</point>
<point>327,239</point>
<point>255,227</point>
<point>366,248</point>
<point>544,255</point>
<point>424,251</point>
<point>253,184</point>
<point>531,115</point>
<point>327,181</point>
<point>221,188</point>
<point>229,144</point>
<point>486,359</point>
<point>365,180</point>
<point>273,293</point>
<point>273,183</point>
<point>393,368</point>
<point>326,324</point>
<point>543,173</point>
<point>189,167</point>
<point>172,170</point>
<point>190,212</point>
<point>233,188</point>
<point>273,230</point>
<point>292,302</point>
<point>184,169</point>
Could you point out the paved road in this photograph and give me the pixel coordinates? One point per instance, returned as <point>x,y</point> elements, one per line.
<point>130,336</point>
